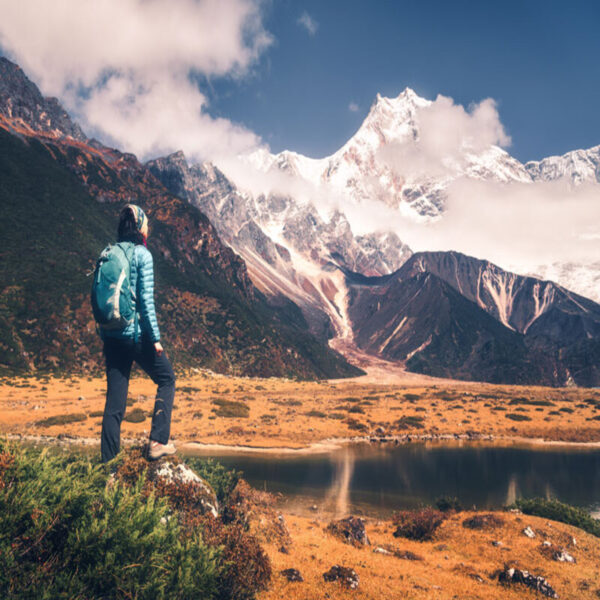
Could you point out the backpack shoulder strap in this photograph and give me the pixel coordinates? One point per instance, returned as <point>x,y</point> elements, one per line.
<point>127,248</point>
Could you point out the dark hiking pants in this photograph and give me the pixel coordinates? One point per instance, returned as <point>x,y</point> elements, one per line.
<point>119,356</point>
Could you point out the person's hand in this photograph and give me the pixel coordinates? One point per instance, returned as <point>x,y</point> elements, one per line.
<point>158,348</point>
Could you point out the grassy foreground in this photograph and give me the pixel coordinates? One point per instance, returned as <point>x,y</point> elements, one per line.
<point>71,528</point>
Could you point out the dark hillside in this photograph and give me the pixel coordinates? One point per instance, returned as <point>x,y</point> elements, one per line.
<point>53,228</point>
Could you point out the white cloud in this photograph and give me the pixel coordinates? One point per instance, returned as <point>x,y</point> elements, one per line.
<point>446,132</point>
<point>353,107</point>
<point>123,67</point>
<point>306,21</point>
<point>516,225</point>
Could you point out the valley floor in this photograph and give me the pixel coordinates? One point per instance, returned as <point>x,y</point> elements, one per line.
<point>277,413</point>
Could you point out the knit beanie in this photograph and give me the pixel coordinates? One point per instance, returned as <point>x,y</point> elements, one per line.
<point>141,220</point>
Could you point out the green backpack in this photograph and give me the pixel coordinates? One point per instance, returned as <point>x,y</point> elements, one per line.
<point>113,300</point>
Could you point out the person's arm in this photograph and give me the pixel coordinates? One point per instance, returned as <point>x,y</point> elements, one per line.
<point>148,322</point>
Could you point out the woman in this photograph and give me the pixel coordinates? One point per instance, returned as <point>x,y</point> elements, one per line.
<point>139,342</point>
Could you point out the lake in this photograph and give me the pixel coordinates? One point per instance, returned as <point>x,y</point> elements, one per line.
<point>382,478</point>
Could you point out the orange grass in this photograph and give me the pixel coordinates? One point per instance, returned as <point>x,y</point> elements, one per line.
<point>284,413</point>
<point>454,562</point>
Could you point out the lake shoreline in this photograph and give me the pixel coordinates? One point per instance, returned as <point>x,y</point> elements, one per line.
<point>326,446</point>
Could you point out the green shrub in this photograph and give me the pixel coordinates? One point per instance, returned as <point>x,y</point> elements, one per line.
<point>222,480</point>
<point>137,415</point>
<point>559,511</point>
<point>517,417</point>
<point>530,402</point>
<point>448,503</point>
<point>410,422</point>
<point>356,425</point>
<point>62,419</point>
<point>188,389</point>
<point>67,534</point>
<point>231,409</point>
<point>316,413</point>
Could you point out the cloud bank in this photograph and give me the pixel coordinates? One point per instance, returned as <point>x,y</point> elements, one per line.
<point>520,225</point>
<point>447,133</point>
<point>124,68</point>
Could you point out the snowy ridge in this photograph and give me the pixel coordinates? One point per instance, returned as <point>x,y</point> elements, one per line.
<point>290,249</point>
<point>359,172</point>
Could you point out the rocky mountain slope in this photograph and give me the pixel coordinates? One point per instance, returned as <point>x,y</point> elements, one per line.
<point>60,195</point>
<point>447,314</point>
<point>290,249</point>
<point>523,304</point>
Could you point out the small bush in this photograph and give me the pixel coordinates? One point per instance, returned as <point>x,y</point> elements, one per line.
<point>137,415</point>
<point>96,413</point>
<point>62,419</point>
<point>417,525</point>
<point>247,568</point>
<point>356,425</point>
<point>410,422</point>
<point>222,480</point>
<point>188,389</point>
<point>559,511</point>
<point>530,402</point>
<point>517,417</point>
<point>448,504</point>
<point>231,409</point>
<point>486,521</point>
<point>357,410</point>
<point>316,413</point>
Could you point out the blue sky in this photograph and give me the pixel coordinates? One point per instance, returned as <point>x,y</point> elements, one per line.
<point>287,71</point>
<point>538,59</point>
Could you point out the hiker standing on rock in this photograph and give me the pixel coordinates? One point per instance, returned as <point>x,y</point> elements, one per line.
<point>123,305</point>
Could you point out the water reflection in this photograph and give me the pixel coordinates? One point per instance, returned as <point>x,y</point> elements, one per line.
<point>337,499</point>
<point>388,478</point>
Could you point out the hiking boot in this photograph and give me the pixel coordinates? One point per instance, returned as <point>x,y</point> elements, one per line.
<point>157,450</point>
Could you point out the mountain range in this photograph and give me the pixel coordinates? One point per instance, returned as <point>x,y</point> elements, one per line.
<point>61,194</point>
<point>299,276</point>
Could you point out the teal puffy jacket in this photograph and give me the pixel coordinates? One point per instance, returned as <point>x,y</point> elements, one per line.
<point>142,282</point>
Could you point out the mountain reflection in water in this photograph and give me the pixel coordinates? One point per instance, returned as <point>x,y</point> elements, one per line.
<point>386,478</point>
